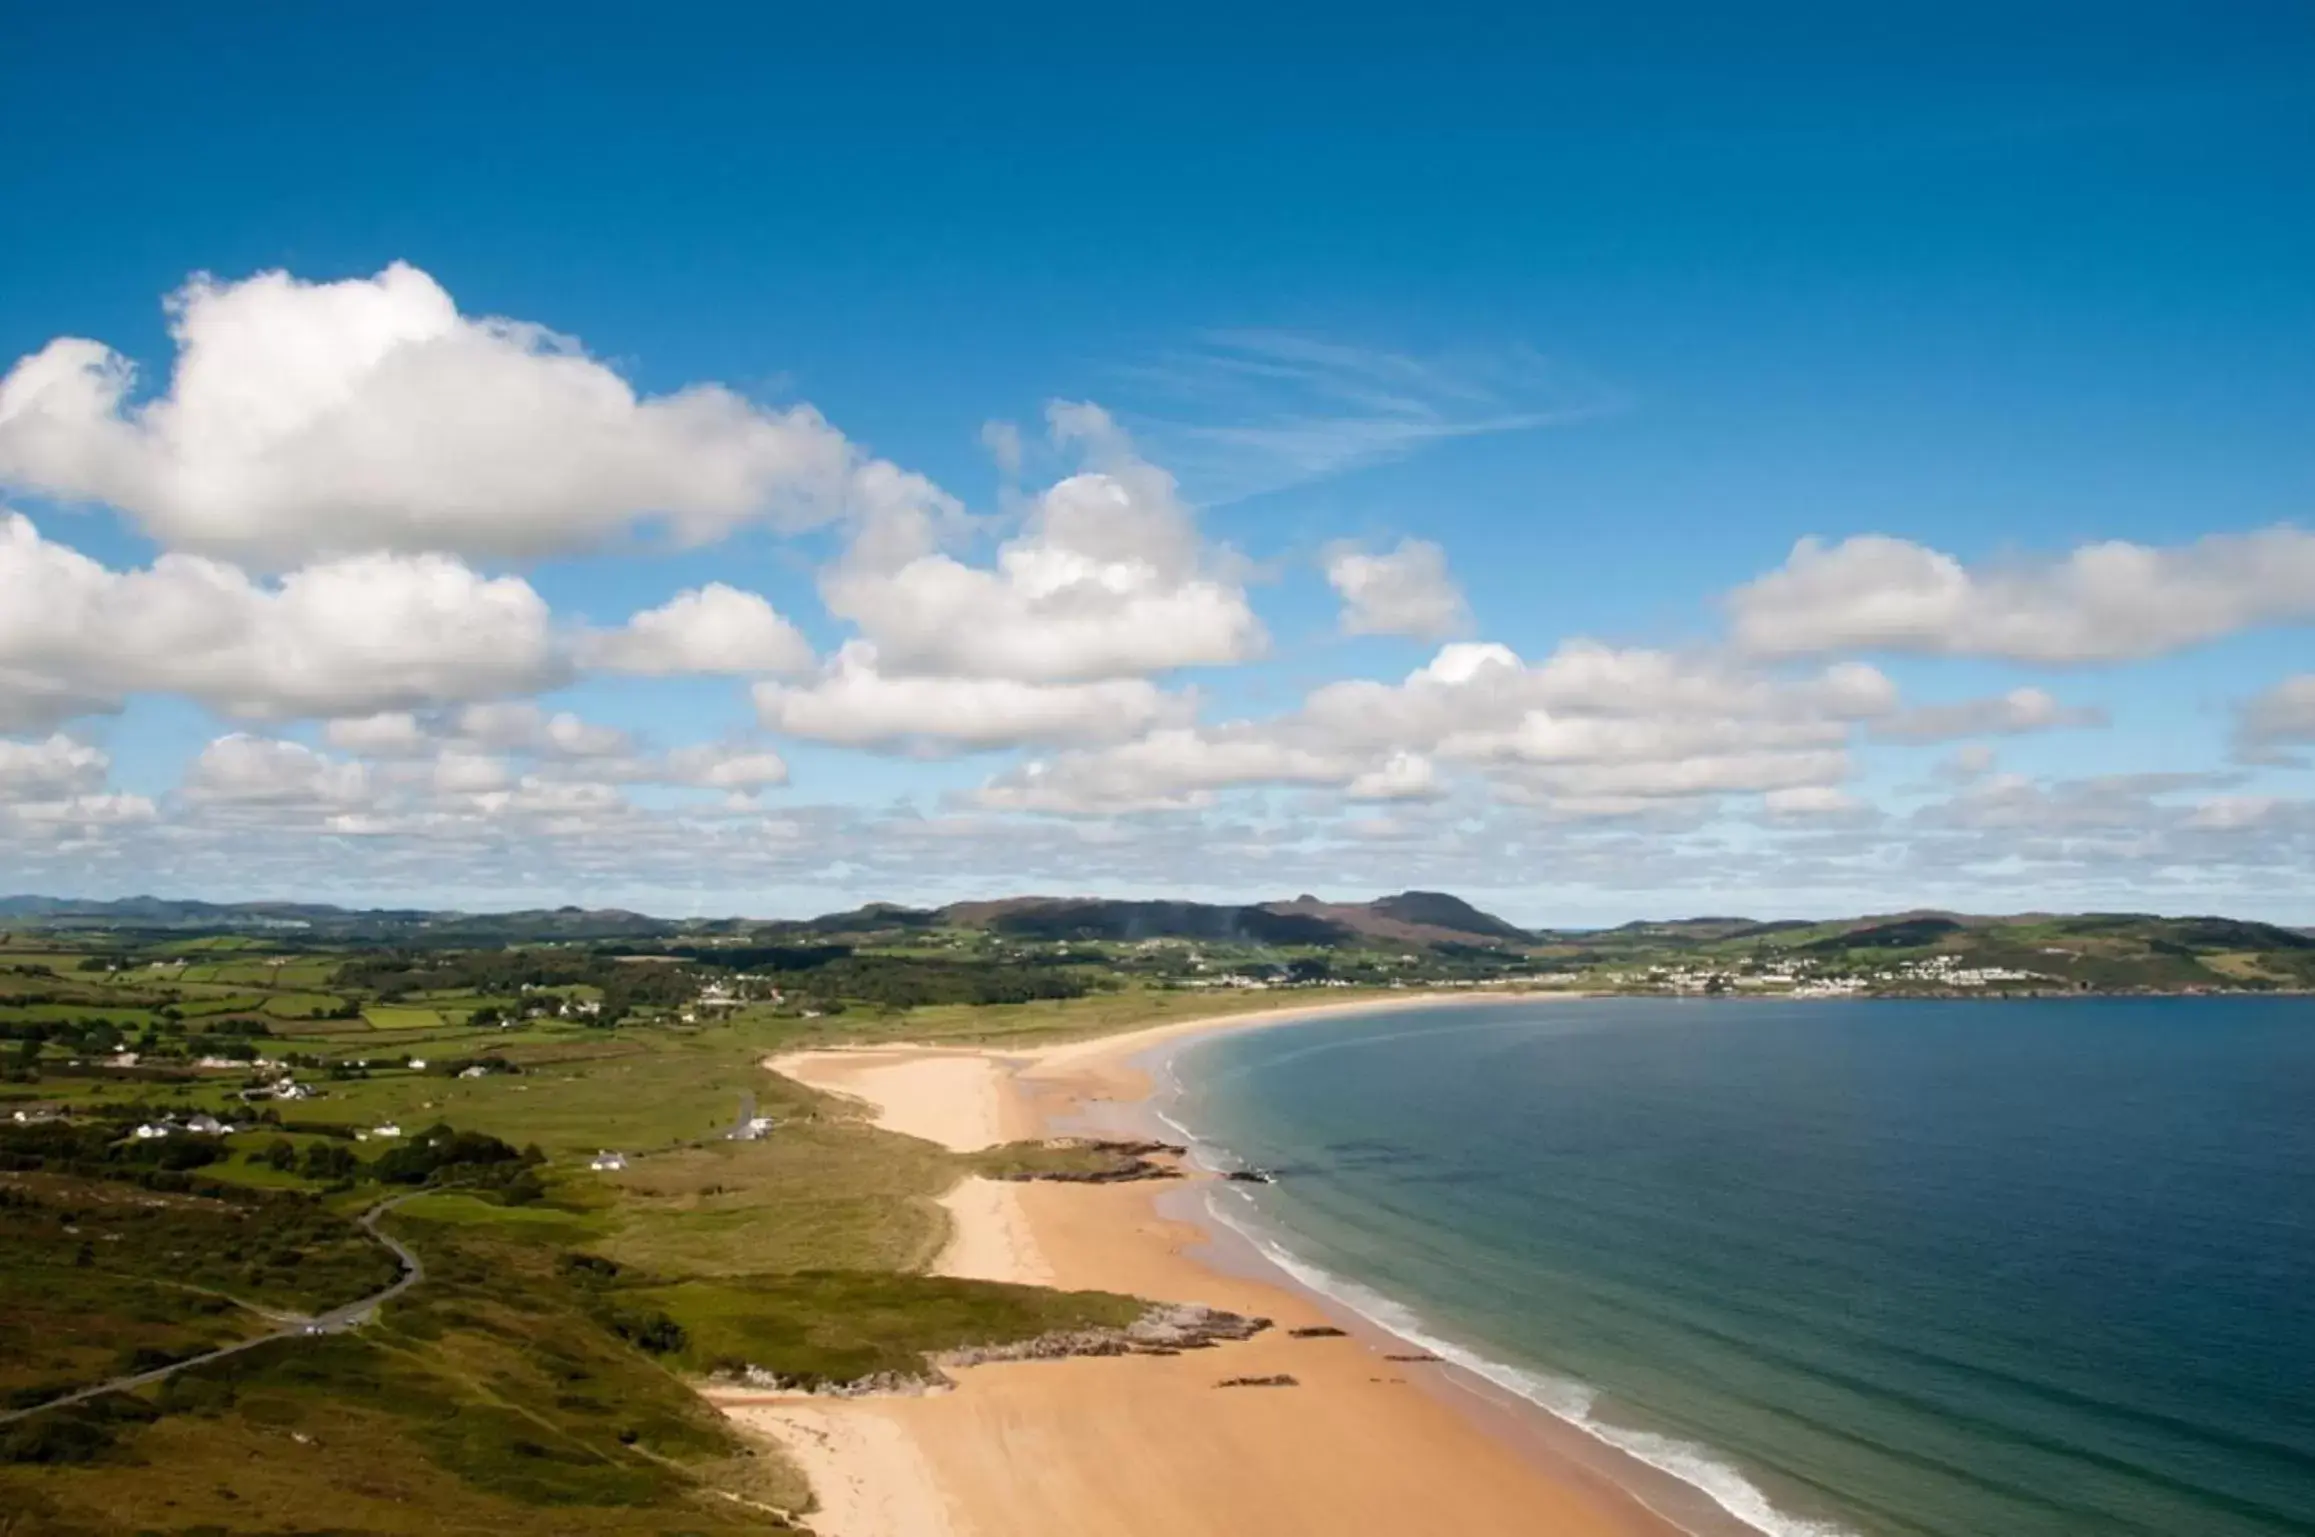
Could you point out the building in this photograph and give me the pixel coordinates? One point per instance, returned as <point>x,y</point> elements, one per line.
<point>608,1162</point>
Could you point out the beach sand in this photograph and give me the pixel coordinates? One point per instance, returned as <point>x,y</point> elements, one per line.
<point>1143,1446</point>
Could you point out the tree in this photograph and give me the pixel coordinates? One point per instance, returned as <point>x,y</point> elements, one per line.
<point>281,1153</point>
<point>329,1161</point>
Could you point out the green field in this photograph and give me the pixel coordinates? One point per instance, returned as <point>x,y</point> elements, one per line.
<point>383,1016</point>
<point>539,1380</point>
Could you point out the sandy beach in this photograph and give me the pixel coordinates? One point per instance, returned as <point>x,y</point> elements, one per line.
<point>1145,1446</point>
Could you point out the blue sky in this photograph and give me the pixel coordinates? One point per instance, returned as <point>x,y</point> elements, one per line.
<point>1609,311</point>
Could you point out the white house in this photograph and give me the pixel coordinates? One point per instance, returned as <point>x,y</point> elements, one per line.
<point>387,1130</point>
<point>151,1131</point>
<point>476,1071</point>
<point>417,1064</point>
<point>608,1162</point>
<point>208,1126</point>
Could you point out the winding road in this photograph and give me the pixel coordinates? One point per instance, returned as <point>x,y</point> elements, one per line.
<point>336,1321</point>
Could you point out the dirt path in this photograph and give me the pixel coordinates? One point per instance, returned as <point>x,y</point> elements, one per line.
<point>336,1321</point>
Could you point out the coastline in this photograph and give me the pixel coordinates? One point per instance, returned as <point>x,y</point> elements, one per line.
<point>1143,1445</point>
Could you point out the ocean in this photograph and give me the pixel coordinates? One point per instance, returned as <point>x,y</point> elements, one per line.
<point>1851,1269</point>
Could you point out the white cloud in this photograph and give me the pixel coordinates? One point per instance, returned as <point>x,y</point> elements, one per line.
<point>389,734</point>
<point>1404,776</point>
<point>2104,602</point>
<point>365,633</point>
<point>77,817</point>
<point>1590,726</point>
<point>711,629</point>
<point>1812,801</point>
<point>2014,713</point>
<point>1252,411</point>
<point>469,773</point>
<point>307,419</point>
<point>245,770</point>
<point>1969,762</point>
<point>1107,579</point>
<point>1406,591</point>
<point>50,770</point>
<point>54,792</point>
<point>856,704</point>
<point>524,726</point>
<point>720,766</point>
<point>2284,714</point>
<point>1178,767</point>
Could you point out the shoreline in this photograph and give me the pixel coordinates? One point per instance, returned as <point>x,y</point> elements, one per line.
<point>1142,1446</point>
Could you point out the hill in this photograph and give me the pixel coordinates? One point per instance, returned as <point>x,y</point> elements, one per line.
<point>1422,918</point>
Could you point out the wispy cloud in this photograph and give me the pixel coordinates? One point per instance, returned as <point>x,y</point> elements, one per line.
<point>1245,412</point>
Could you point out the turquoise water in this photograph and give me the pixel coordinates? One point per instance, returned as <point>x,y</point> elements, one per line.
<point>2034,1269</point>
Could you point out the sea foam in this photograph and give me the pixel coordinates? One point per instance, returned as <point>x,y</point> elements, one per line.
<point>1564,1398</point>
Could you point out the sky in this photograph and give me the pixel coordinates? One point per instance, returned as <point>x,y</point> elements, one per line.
<point>1781,460</point>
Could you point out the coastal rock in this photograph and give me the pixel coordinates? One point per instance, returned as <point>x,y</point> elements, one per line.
<point>1166,1329</point>
<point>1317,1332</point>
<point>1422,1357</point>
<point>1130,1149</point>
<point>1279,1380</point>
<point>1251,1177</point>
<point>874,1385</point>
<point>1135,1161</point>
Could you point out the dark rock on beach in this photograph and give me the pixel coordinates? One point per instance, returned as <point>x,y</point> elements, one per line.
<point>1166,1329</point>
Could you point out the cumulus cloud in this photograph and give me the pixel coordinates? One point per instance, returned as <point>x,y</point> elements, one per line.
<point>1403,776</point>
<point>1174,768</point>
<point>342,637</point>
<point>1815,803</point>
<point>711,629</point>
<point>1966,763</point>
<point>387,734</point>
<point>1404,591</point>
<point>54,791</point>
<point>246,770</point>
<point>305,419</point>
<point>1108,578</point>
<point>722,766</point>
<point>525,726</point>
<point>2019,711</point>
<point>1590,726</point>
<point>2105,602</point>
<point>2282,716</point>
<point>855,703</point>
<point>50,770</point>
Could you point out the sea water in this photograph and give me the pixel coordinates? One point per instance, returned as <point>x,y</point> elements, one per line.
<point>1970,1269</point>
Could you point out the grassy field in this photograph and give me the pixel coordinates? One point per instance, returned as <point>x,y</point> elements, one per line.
<point>840,1326</point>
<point>535,1383</point>
<point>382,1016</point>
<point>538,1380</point>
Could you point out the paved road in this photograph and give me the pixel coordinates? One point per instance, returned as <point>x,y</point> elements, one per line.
<point>336,1321</point>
